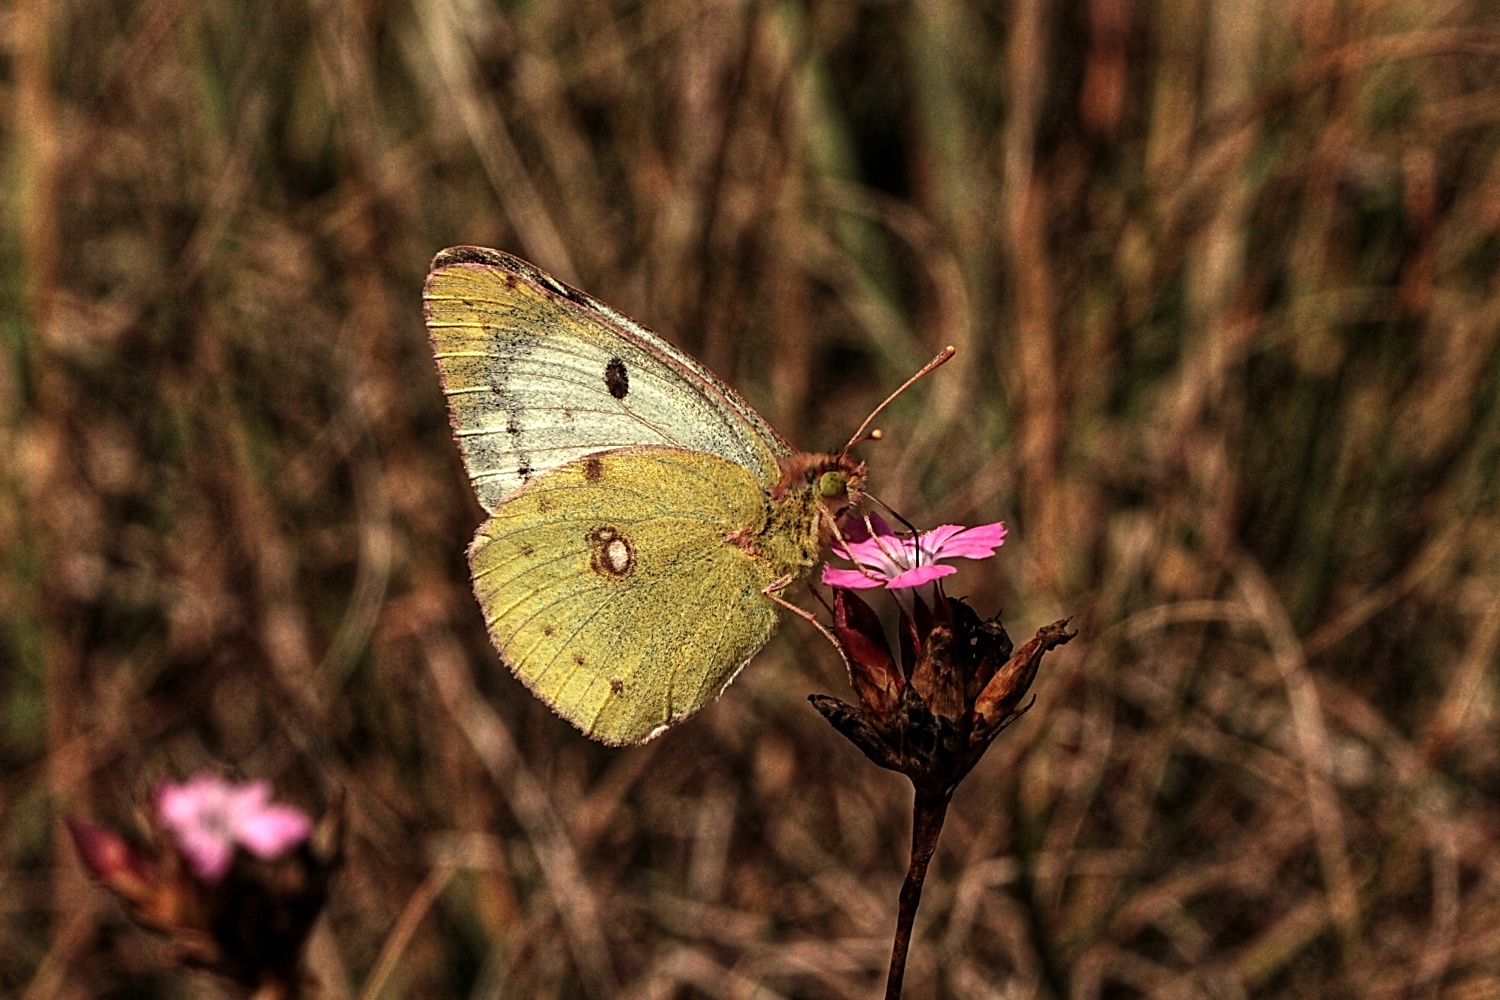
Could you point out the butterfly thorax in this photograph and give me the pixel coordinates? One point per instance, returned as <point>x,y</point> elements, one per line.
<point>814,490</point>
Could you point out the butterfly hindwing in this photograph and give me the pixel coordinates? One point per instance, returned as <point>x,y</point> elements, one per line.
<point>538,375</point>
<point>615,588</point>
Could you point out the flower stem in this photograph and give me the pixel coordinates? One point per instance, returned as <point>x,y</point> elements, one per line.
<point>928,812</point>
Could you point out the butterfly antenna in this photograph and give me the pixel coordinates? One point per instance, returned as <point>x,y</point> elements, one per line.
<point>893,512</point>
<point>821,599</point>
<point>859,435</point>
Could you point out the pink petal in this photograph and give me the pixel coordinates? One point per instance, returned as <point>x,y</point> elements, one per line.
<point>904,562</point>
<point>920,575</point>
<point>884,556</point>
<point>932,541</point>
<point>273,830</point>
<point>175,804</point>
<point>207,855</point>
<point>850,579</point>
<point>975,543</point>
<point>871,546</point>
<point>851,550</point>
<point>884,549</point>
<point>250,796</point>
<point>180,805</point>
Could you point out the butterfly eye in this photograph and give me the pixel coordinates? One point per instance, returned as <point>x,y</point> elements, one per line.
<point>832,485</point>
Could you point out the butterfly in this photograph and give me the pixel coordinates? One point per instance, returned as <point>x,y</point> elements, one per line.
<point>642,516</point>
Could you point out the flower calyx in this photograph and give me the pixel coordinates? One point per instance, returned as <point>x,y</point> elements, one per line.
<point>234,881</point>
<point>960,682</point>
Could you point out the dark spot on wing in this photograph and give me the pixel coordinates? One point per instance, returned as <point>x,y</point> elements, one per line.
<point>616,378</point>
<point>593,469</point>
<point>578,659</point>
<point>616,686</point>
<point>549,630</point>
<point>524,471</point>
<point>513,425</point>
<point>528,551</point>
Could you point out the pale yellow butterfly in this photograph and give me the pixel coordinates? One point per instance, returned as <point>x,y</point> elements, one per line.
<point>641,514</point>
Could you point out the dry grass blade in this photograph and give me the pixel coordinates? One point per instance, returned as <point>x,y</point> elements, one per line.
<point>1312,739</point>
<point>494,745</point>
<point>406,925</point>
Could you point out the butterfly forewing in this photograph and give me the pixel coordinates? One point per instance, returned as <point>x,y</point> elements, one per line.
<point>614,587</point>
<point>538,375</point>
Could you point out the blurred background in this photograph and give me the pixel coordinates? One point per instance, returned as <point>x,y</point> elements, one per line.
<point>1223,281</point>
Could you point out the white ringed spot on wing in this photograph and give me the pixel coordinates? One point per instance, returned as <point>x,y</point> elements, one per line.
<point>610,553</point>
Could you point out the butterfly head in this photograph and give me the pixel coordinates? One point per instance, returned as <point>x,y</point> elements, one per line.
<point>834,481</point>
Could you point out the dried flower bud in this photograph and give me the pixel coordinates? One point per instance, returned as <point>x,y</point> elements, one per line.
<point>112,861</point>
<point>985,648</point>
<point>857,729</point>
<point>872,668</point>
<point>935,673</point>
<point>1000,697</point>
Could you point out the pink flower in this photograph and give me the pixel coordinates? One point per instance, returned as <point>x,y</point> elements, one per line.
<point>208,816</point>
<point>886,558</point>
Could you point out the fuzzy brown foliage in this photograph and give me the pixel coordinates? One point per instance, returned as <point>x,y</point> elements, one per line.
<point>1223,281</point>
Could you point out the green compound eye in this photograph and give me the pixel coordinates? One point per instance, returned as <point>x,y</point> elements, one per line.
<point>832,484</point>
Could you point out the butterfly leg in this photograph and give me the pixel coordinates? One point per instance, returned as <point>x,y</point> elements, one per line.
<point>786,581</point>
<point>776,586</point>
<point>833,524</point>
